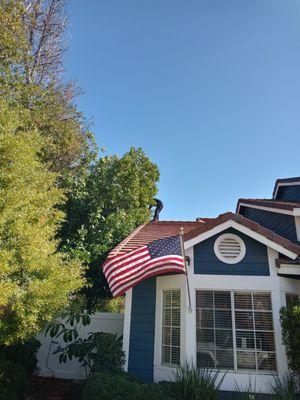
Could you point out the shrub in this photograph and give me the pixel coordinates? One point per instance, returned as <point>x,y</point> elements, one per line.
<point>106,386</point>
<point>121,386</point>
<point>287,387</point>
<point>13,381</point>
<point>17,364</point>
<point>290,324</point>
<point>191,383</point>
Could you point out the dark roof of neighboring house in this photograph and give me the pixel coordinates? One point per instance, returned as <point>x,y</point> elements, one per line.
<point>285,180</point>
<point>283,205</point>
<point>147,233</point>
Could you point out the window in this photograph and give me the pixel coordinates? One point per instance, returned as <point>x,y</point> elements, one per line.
<point>230,248</point>
<point>214,330</point>
<point>235,330</point>
<point>171,327</point>
<point>291,298</point>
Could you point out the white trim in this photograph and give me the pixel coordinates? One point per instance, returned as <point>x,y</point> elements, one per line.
<point>297,225</point>
<point>297,183</point>
<point>126,329</point>
<point>221,257</point>
<point>241,228</point>
<point>271,209</point>
<point>288,269</point>
<point>295,211</point>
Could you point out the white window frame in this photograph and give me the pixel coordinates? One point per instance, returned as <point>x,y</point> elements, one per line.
<point>235,350</point>
<point>170,326</point>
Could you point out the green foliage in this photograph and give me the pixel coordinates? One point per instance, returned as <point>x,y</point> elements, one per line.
<point>33,274</point>
<point>98,352</point>
<point>191,383</point>
<point>121,386</point>
<point>13,381</point>
<point>114,305</point>
<point>286,387</point>
<point>290,324</point>
<point>104,207</point>
<point>17,364</point>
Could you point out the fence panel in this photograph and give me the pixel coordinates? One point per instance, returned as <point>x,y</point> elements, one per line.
<point>48,363</point>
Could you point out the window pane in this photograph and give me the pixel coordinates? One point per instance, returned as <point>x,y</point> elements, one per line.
<point>176,317</point>
<point>205,338</point>
<point>205,359</point>
<point>167,299</point>
<point>223,319</point>
<point>246,360</point>
<point>206,318</point>
<point>224,339</point>
<point>222,300</point>
<point>166,337</point>
<point>243,300</point>
<point>266,361</point>
<point>175,356</point>
<point>244,320</point>
<point>225,359</point>
<point>245,340</point>
<point>265,341</point>
<point>167,317</point>
<point>176,298</point>
<point>204,299</point>
<point>262,301</point>
<point>166,354</point>
<point>175,337</point>
<point>263,320</point>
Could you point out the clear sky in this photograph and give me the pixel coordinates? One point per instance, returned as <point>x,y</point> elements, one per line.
<point>210,89</point>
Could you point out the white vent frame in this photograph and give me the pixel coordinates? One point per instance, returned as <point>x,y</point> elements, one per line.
<point>236,238</point>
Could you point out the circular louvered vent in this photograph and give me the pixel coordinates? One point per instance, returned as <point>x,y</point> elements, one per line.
<point>230,248</point>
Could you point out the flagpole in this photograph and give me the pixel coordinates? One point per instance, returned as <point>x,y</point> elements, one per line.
<point>185,267</point>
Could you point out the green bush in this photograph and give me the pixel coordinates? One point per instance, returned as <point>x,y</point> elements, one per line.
<point>286,387</point>
<point>290,324</point>
<point>17,364</point>
<point>121,386</point>
<point>13,381</point>
<point>104,386</point>
<point>191,383</point>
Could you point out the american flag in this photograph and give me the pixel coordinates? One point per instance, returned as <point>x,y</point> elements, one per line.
<point>159,257</point>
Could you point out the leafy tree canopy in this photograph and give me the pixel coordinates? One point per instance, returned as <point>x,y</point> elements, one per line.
<point>36,281</point>
<point>104,207</point>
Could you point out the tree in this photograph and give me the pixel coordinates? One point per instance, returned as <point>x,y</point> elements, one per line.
<point>32,44</point>
<point>104,207</point>
<point>36,281</point>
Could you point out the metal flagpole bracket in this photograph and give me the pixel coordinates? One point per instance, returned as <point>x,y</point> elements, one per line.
<point>185,268</point>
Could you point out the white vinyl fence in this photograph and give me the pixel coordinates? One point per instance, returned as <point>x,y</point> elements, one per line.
<point>48,363</point>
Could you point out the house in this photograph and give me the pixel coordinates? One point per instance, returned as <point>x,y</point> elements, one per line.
<point>243,267</point>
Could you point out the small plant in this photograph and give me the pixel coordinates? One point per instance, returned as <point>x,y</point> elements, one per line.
<point>191,383</point>
<point>98,352</point>
<point>247,392</point>
<point>287,387</point>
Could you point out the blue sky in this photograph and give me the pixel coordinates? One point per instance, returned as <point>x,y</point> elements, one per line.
<point>210,89</point>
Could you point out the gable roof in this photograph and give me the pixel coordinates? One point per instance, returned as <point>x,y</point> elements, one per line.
<point>247,223</point>
<point>151,231</point>
<point>270,203</point>
<point>284,181</point>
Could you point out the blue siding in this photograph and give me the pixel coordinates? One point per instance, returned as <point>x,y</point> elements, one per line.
<point>288,193</point>
<point>282,224</point>
<point>141,345</point>
<point>255,261</point>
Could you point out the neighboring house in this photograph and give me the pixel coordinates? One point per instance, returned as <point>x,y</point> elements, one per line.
<point>244,267</point>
